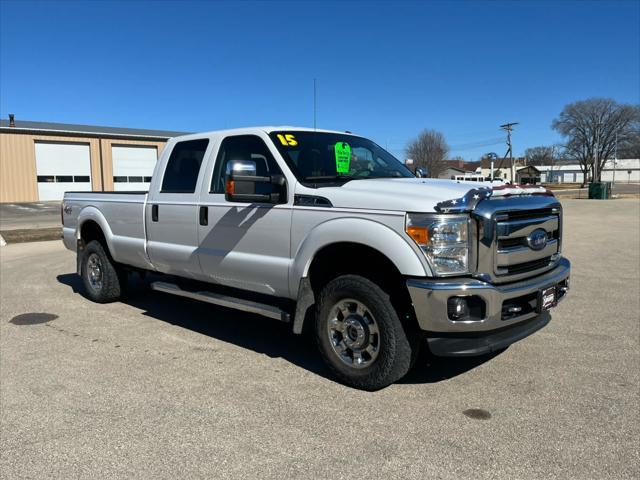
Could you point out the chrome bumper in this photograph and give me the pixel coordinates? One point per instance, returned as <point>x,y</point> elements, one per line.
<point>430,299</point>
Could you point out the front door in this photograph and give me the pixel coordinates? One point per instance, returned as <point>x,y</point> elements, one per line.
<point>244,245</point>
<point>172,210</point>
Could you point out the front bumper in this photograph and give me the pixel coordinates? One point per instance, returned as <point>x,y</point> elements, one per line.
<point>498,326</point>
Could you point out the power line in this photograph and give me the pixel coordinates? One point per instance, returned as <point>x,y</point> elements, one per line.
<point>477,144</point>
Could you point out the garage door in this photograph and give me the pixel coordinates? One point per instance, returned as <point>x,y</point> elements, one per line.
<point>62,167</point>
<point>133,167</point>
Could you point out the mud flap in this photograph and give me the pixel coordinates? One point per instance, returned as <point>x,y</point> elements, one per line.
<point>306,301</point>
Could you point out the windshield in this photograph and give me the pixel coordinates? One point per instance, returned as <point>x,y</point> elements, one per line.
<point>321,158</point>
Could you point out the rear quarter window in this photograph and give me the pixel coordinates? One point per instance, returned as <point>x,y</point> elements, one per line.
<point>183,166</point>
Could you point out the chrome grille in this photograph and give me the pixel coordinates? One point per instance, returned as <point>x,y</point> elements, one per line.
<point>505,246</point>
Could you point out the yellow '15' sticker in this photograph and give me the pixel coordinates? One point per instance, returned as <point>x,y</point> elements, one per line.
<point>288,140</point>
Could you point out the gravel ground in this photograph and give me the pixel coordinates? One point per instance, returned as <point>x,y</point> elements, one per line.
<point>162,387</point>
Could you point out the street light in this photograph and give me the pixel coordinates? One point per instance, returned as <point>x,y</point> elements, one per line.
<point>492,158</point>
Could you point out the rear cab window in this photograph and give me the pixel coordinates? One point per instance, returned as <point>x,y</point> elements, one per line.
<point>183,167</point>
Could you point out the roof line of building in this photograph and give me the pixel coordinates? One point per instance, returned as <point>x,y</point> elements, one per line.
<point>24,126</point>
<point>85,133</point>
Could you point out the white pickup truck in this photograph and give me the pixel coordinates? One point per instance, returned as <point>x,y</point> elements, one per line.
<point>328,231</point>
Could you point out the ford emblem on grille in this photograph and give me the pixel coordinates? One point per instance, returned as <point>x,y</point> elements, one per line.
<point>537,239</point>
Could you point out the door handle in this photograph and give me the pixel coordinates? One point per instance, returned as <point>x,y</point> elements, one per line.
<point>154,213</point>
<point>204,215</point>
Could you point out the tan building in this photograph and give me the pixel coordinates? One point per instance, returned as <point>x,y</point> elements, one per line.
<point>39,161</point>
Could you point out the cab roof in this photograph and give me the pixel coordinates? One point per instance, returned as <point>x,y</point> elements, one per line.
<point>254,130</point>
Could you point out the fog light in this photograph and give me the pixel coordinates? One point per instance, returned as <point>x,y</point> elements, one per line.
<point>457,308</point>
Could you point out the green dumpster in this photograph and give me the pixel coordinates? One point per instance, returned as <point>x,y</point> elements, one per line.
<point>599,190</point>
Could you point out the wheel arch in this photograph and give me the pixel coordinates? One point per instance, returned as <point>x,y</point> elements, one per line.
<point>92,225</point>
<point>382,256</point>
<point>370,235</point>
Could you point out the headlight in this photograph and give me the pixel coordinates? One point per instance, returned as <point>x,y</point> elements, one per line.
<point>444,239</point>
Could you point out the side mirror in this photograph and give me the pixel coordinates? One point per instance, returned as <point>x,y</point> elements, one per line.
<point>421,172</point>
<point>243,185</point>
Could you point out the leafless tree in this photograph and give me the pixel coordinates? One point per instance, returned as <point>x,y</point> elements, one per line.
<point>630,148</point>
<point>429,149</point>
<point>591,128</point>
<point>543,155</point>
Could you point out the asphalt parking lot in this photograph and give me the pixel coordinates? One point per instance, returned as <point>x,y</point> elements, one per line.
<point>163,387</point>
<point>15,216</point>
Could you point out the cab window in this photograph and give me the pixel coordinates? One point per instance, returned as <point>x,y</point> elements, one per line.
<point>243,147</point>
<point>181,173</point>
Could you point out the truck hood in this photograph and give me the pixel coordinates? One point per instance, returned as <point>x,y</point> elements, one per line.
<point>401,194</point>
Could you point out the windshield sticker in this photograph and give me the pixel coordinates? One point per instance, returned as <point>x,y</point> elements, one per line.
<point>343,157</point>
<point>288,140</point>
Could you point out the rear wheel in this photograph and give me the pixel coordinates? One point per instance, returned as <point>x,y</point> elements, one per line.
<point>104,281</point>
<point>359,334</point>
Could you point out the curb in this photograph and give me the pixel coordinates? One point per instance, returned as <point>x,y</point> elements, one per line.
<point>30,235</point>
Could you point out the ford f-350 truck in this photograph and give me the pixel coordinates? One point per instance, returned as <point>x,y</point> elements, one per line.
<point>328,231</point>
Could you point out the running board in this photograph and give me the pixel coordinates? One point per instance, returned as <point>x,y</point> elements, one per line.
<point>263,309</point>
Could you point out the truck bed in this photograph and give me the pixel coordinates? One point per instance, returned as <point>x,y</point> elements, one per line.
<point>120,215</point>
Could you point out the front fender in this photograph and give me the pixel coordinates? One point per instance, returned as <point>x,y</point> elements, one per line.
<point>368,232</point>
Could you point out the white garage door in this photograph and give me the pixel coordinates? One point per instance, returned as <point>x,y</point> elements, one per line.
<point>62,167</point>
<point>133,167</point>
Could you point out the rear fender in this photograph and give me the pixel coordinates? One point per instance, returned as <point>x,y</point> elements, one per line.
<point>93,214</point>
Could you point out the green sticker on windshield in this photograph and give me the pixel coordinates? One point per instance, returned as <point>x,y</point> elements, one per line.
<point>343,157</point>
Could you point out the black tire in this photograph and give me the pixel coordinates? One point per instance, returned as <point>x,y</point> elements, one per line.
<point>395,349</point>
<point>112,278</point>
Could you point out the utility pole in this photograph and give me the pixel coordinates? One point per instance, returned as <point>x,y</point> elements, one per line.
<point>509,127</point>
<point>595,155</point>
<point>615,160</point>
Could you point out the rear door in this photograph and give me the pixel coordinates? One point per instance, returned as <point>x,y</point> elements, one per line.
<point>172,210</point>
<point>244,245</point>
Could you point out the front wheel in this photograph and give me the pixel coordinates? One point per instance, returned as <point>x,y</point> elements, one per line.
<point>359,334</point>
<point>104,281</point>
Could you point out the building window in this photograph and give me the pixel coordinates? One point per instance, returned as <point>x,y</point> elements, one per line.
<point>135,179</point>
<point>64,178</point>
<point>119,179</point>
<point>147,179</point>
<point>46,179</point>
<point>81,179</point>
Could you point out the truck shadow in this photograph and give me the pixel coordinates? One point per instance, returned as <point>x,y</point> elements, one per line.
<point>262,335</point>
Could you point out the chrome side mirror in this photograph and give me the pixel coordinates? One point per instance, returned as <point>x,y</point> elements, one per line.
<point>421,172</point>
<point>241,184</point>
<point>241,167</point>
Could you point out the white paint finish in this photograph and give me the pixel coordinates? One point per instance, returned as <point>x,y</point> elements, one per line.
<point>133,162</point>
<point>60,159</point>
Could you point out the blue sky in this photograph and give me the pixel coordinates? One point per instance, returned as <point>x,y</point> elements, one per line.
<point>384,70</point>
